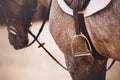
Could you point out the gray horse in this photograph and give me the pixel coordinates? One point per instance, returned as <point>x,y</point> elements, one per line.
<point>104,31</point>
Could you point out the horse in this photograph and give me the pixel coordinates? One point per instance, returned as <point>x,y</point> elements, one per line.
<point>103,29</point>
<point>62,28</point>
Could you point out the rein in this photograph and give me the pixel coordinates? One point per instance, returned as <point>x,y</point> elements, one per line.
<point>42,44</point>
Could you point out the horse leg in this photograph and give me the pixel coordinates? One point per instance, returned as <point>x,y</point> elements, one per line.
<point>80,68</point>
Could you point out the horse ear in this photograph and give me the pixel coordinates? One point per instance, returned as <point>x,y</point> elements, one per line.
<point>81,48</point>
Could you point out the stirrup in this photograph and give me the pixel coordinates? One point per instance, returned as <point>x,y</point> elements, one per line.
<point>82,39</point>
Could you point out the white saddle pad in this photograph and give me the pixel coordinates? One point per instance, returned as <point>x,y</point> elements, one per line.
<point>93,7</point>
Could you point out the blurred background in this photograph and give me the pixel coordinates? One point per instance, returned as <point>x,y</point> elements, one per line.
<point>33,63</point>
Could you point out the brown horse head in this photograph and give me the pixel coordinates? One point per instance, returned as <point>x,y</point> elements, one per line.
<point>18,34</point>
<point>18,15</point>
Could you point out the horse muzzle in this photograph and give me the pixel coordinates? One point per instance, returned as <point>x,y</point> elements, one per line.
<point>18,42</point>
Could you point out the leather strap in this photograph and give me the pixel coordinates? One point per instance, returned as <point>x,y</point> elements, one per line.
<point>74,6</point>
<point>78,5</point>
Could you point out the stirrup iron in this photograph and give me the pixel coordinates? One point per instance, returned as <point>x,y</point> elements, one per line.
<point>87,43</point>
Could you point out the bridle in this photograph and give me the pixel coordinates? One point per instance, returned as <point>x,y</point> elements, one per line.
<point>41,45</point>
